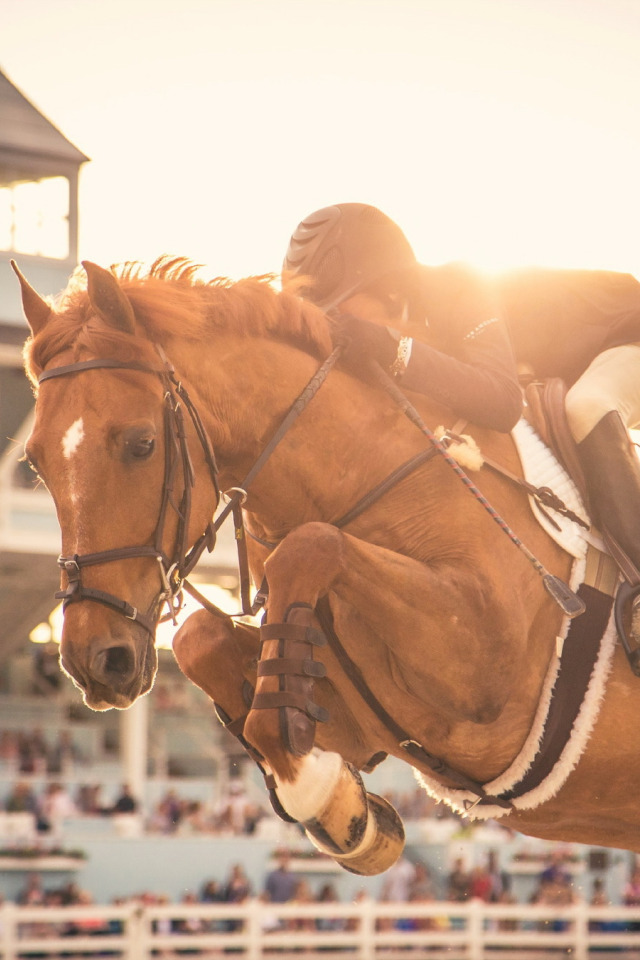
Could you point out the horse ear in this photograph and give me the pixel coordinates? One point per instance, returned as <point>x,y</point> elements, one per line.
<point>36,310</point>
<point>108,299</point>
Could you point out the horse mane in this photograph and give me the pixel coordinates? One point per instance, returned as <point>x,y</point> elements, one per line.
<point>169,300</point>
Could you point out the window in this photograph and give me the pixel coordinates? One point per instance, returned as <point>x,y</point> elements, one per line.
<point>34,215</point>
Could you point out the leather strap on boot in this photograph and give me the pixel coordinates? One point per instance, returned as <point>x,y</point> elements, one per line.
<point>297,672</point>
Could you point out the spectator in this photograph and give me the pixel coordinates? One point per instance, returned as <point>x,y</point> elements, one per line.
<point>598,895</point>
<point>65,754</point>
<point>32,894</point>
<point>499,878</point>
<point>125,802</point>
<point>237,889</point>
<point>33,751</point>
<point>302,895</point>
<point>189,924</point>
<point>22,799</point>
<point>281,882</point>
<point>55,807</point>
<point>9,751</point>
<point>168,813</point>
<point>421,885</point>
<point>631,895</point>
<point>631,891</point>
<point>328,894</point>
<point>555,889</point>
<point>397,883</point>
<point>458,882</point>
<point>480,884</point>
<point>193,818</point>
<point>507,897</point>
<point>88,799</point>
<point>212,892</point>
<point>556,870</point>
<point>234,809</point>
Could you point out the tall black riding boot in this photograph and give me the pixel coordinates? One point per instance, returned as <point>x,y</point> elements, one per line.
<point>612,474</point>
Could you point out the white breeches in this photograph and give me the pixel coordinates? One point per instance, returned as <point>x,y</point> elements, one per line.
<point>610,382</point>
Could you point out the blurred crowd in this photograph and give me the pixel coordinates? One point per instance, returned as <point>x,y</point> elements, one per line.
<point>408,881</point>
<point>54,803</point>
<point>43,771</point>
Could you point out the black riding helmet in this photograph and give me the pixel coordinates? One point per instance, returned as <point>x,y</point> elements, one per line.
<point>344,248</point>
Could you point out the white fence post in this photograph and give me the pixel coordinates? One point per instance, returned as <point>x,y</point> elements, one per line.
<point>136,925</point>
<point>254,930</point>
<point>581,931</point>
<point>367,931</point>
<point>475,929</point>
<point>9,920</point>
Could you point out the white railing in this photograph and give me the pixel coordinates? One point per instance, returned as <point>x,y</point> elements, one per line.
<point>364,931</point>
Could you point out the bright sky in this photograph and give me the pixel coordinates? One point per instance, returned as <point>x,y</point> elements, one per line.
<point>502,132</point>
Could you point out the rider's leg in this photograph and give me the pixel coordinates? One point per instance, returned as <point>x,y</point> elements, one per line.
<point>601,407</point>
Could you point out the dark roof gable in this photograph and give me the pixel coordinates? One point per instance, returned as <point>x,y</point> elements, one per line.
<point>25,130</point>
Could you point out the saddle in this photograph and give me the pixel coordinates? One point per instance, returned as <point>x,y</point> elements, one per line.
<point>545,411</point>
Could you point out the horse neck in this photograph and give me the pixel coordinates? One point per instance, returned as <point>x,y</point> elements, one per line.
<point>345,440</point>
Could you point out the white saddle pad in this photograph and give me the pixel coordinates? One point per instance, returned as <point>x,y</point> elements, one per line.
<point>543,470</point>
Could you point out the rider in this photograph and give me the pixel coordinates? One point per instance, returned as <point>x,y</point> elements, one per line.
<point>580,325</point>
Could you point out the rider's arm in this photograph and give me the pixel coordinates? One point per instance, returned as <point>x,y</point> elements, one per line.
<point>468,363</point>
<point>481,384</point>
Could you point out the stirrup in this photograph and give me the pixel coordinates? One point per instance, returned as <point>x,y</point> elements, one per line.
<point>628,598</point>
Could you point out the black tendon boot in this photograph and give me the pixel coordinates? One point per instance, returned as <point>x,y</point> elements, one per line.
<point>612,474</point>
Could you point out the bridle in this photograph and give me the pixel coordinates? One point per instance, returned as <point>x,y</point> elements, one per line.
<point>175,568</point>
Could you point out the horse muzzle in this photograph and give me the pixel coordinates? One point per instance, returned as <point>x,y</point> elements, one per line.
<point>111,672</point>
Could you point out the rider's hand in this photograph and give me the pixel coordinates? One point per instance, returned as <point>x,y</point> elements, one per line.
<point>363,341</point>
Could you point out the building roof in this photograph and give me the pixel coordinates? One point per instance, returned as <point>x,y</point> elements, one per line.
<point>25,130</point>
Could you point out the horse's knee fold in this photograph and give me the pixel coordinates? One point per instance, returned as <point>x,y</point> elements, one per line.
<point>187,641</point>
<point>313,547</point>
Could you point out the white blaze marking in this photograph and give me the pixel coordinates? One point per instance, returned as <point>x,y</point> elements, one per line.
<point>73,438</point>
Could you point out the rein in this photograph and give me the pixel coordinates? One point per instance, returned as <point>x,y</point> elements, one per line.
<point>568,601</point>
<point>174,569</point>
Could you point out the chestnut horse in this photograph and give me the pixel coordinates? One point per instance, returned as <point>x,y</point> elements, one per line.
<point>446,634</point>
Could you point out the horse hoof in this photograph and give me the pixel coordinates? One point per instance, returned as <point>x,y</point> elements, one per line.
<point>341,826</point>
<point>387,842</point>
<point>381,845</point>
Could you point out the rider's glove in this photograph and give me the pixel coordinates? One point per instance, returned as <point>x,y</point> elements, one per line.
<point>363,341</point>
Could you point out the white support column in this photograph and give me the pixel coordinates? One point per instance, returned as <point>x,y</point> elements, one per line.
<point>134,747</point>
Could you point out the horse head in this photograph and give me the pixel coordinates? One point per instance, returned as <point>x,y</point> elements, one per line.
<point>112,444</point>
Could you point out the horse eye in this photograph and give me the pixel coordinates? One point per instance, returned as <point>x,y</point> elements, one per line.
<point>141,448</point>
<point>31,464</point>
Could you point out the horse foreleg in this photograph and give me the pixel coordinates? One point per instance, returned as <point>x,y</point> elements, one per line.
<point>282,722</point>
<point>319,789</point>
<point>220,657</point>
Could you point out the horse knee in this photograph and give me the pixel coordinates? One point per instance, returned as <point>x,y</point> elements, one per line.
<point>191,641</point>
<point>311,556</point>
<point>219,656</point>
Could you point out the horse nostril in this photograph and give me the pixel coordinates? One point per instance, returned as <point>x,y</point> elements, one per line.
<point>117,661</point>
